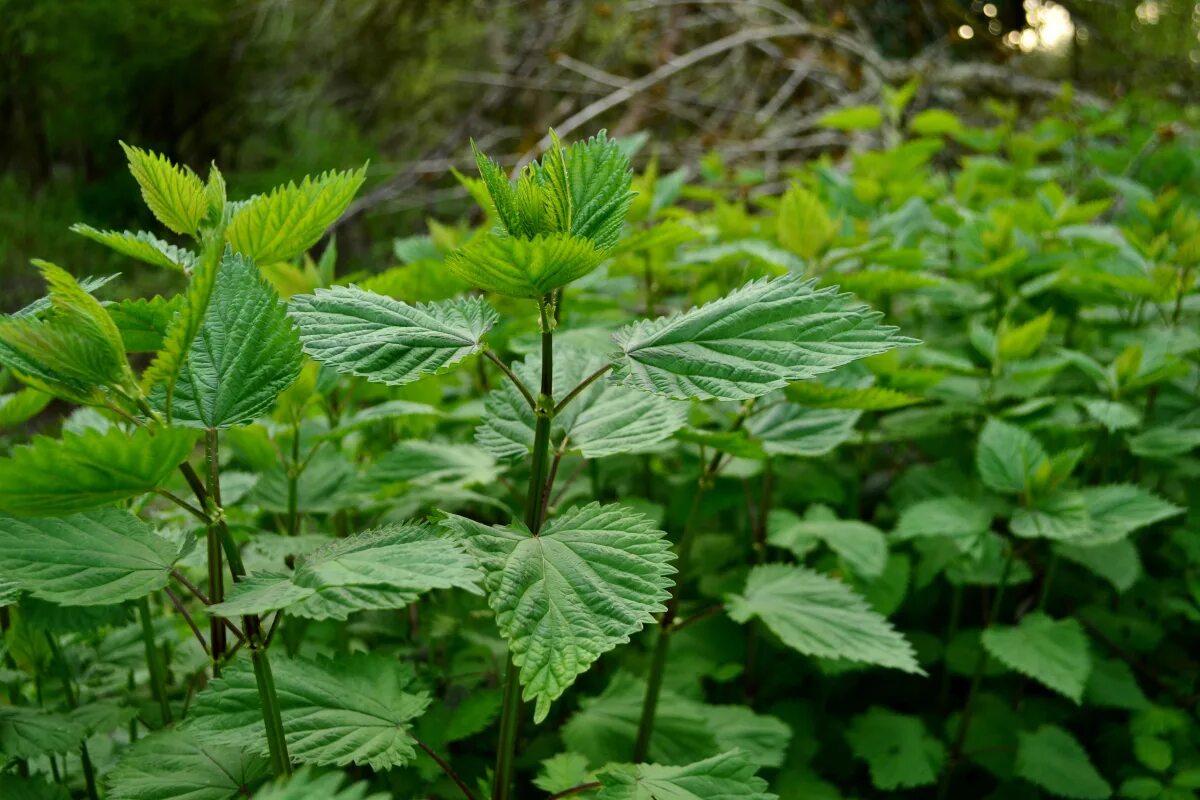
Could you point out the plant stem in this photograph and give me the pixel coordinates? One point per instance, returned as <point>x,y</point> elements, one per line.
<point>276,742</point>
<point>216,572</point>
<point>446,768</point>
<point>658,661</point>
<point>158,678</point>
<point>512,376</point>
<point>964,721</point>
<point>263,677</point>
<point>85,757</point>
<point>585,383</point>
<point>574,790</point>
<point>534,507</point>
<point>662,645</point>
<point>293,472</point>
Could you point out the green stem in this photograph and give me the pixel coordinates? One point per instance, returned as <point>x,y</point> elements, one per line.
<point>293,515</point>
<point>276,742</point>
<point>216,572</point>
<point>85,757</point>
<point>534,507</point>
<point>158,677</point>
<point>964,721</point>
<point>662,646</point>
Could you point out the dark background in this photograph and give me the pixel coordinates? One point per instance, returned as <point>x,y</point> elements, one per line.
<point>272,89</point>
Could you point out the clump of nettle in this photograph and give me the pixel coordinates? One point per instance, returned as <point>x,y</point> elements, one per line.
<point>77,529</point>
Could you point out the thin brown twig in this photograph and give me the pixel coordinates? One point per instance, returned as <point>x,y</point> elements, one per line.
<point>446,768</point>
<point>574,790</point>
<point>175,601</point>
<point>191,587</point>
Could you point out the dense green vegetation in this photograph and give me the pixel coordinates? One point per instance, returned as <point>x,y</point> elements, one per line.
<point>873,482</point>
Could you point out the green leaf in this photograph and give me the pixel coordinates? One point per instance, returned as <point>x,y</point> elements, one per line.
<point>379,569</point>
<point>384,340</point>
<point>51,477</point>
<point>1116,562</point>
<point>1008,457</point>
<point>898,749</point>
<point>873,398</point>
<point>561,772</point>
<point>140,245</point>
<point>591,578</point>
<point>787,429</point>
<point>355,710</point>
<point>729,776</point>
<point>803,226</point>
<point>74,352</point>
<point>1061,515</point>
<point>144,322</point>
<point>15,787</point>
<point>605,727</point>
<point>957,518</point>
<point>1117,510</point>
<point>1052,652</point>
<point>245,354</point>
<point>603,420</point>
<point>854,118</point>
<point>100,557</point>
<point>177,341</point>
<point>425,463</point>
<point>820,616</point>
<point>1112,684</point>
<point>862,546</point>
<point>29,732</point>
<point>755,339</point>
<point>763,739</point>
<point>21,406</point>
<point>1113,415</point>
<point>1052,759</point>
<point>1014,344</point>
<point>525,267</point>
<point>284,223</point>
<point>169,765</point>
<point>174,194</point>
<point>306,784</point>
<point>599,177</point>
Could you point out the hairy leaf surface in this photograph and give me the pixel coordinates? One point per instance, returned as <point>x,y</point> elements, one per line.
<point>729,776</point>
<point>1052,652</point>
<point>387,341</point>
<point>820,616</point>
<point>169,765</point>
<point>86,470</point>
<point>592,578</point>
<point>99,557</point>
<point>755,339</point>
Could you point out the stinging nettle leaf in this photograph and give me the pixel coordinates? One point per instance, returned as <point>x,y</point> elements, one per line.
<point>591,578</point>
<point>290,219</point>
<point>525,267</point>
<point>1051,758</point>
<point>246,352</point>
<point>898,749</point>
<point>1052,652</point>
<point>384,340</point>
<point>169,765</point>
<point>355,710</point>
<point>729,776</point>
<point>820,616</point>
<point>174,194</point>
<point>99,557</point>
<point>51,477</point>
<point>140,245</point>
<point>755,339</point>
<point>30,732</point>
<point>380,569</point>
<point>1008,457</point>
<point>306,784</point>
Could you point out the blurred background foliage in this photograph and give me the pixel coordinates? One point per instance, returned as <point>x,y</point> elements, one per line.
<point>271,89</point>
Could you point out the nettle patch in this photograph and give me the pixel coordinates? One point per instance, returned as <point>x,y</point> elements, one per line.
<point>472,527</point>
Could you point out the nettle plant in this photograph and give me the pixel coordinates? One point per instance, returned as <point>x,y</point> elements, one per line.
<point>88,534</point>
